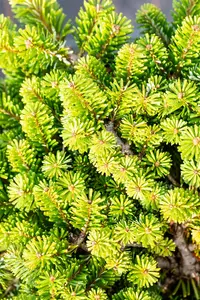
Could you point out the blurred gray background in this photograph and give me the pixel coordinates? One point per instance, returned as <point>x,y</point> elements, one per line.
<point>127,7</point>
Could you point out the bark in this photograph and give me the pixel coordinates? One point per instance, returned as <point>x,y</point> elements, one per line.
<point>190,266</point>
<point>183,264</point>
<point>168,263</point>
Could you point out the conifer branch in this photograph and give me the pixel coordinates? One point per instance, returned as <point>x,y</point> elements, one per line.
<point>72,219</point>
<point>6,112</point>
<point>126,148</point>
<point>172,180</point>
<point>11,287</point>
<point>42,19</point>
<point>190,265</point>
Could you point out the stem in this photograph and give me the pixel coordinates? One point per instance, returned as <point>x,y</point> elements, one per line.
<point>98,275</point>
<point>11,287</point>
<point>126,149</point>
<point>156,29</point>
<point>5,112</point>
<point>173,181</point>
<point>190,266</point>
<point>190,7</point>
<point>45,142</point>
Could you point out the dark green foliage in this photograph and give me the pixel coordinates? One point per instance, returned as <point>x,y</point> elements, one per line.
<point>99,154</point>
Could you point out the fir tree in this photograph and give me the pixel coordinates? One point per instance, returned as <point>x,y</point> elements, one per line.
<point>100,153</point>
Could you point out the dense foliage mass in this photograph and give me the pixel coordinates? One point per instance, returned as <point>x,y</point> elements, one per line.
<point>100,153</point>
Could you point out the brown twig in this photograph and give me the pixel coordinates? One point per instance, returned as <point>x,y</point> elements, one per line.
<point>173,181</point>
<point>126,149</point>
